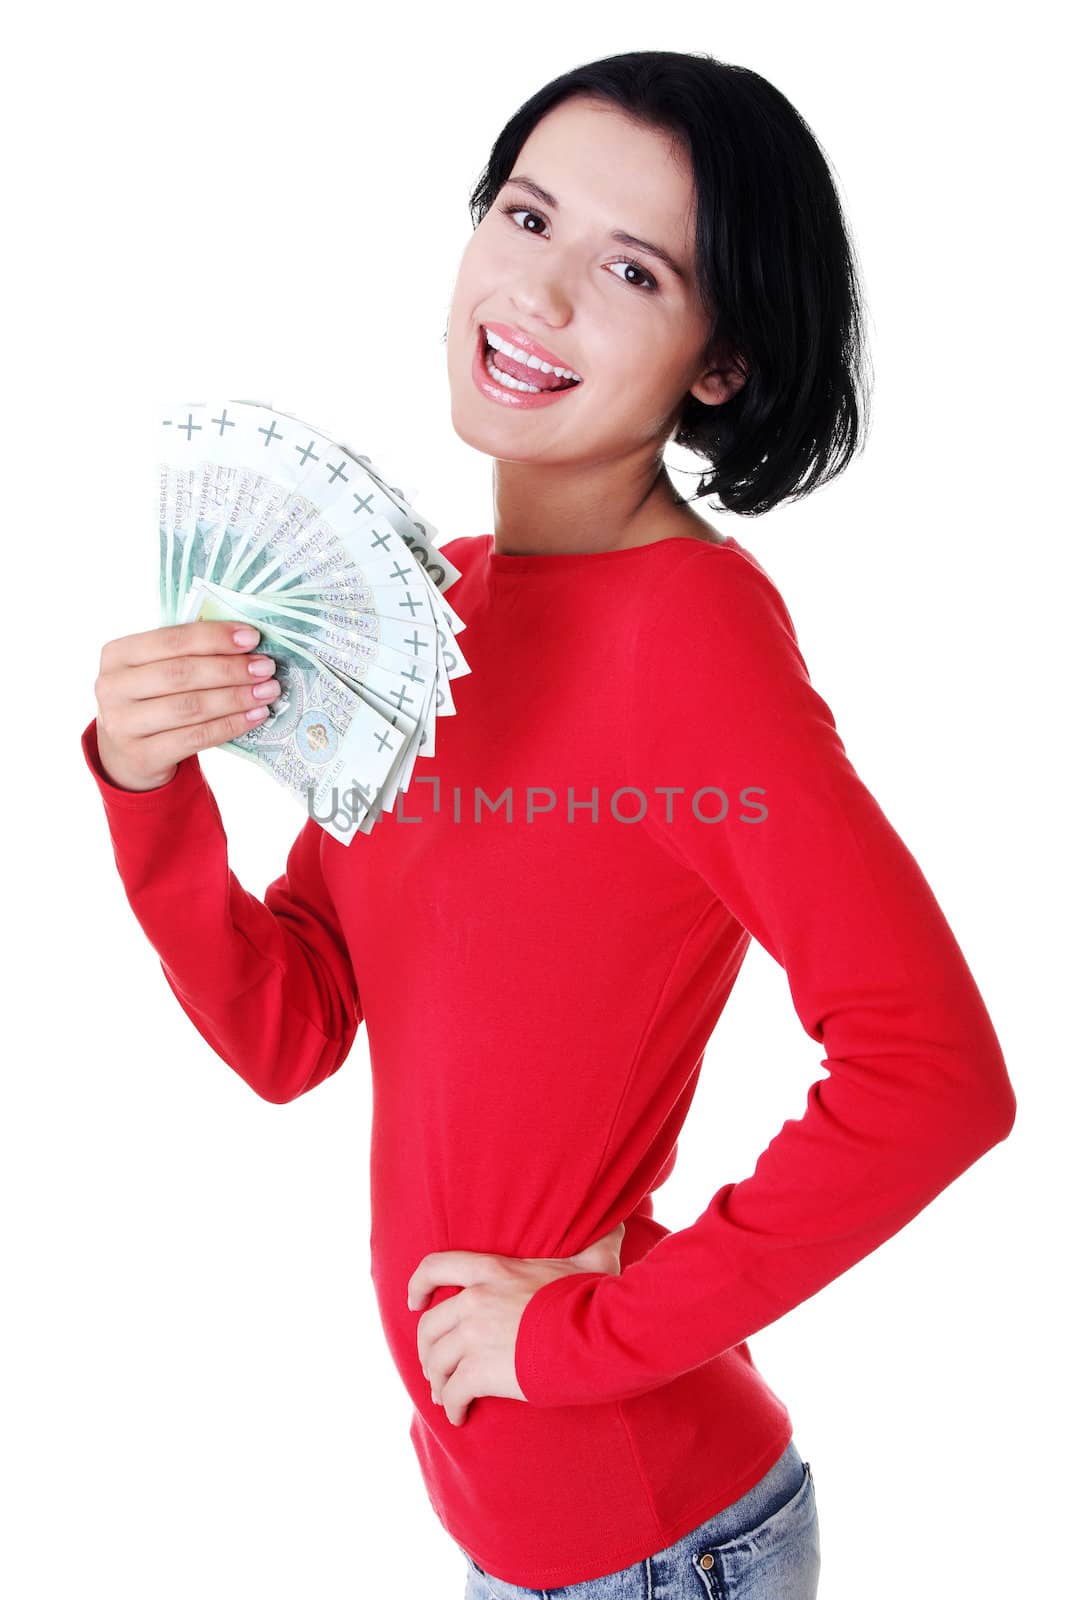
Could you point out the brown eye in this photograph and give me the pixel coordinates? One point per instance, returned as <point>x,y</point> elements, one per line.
<point>648,287</point>
<point>649,279</point>
<point>509,211</point>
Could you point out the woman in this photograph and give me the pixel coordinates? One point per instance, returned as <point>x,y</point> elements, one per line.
<point>640,779</point>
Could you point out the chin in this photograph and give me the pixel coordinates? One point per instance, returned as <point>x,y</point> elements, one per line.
<point>478,436</point>
<point>469,421</point>
<point>465,430</point>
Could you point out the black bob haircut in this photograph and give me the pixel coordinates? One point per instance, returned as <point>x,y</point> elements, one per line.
<point>776,269</point>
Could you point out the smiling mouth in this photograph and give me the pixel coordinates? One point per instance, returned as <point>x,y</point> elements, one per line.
<point>535,377</point>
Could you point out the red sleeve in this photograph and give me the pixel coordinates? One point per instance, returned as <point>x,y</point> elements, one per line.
<point>268,983</point>
<point>918,1087</point>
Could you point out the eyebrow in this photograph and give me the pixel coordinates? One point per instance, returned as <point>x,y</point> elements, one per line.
<point>618,234</point>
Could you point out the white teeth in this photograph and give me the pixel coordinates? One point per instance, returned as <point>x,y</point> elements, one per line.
<point>509,382</point>
<point>496,343</point>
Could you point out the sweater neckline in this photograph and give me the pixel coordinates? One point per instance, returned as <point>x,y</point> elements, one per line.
<point>501,564</point>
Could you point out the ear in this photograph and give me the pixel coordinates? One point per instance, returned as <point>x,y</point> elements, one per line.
<point>719,384</point>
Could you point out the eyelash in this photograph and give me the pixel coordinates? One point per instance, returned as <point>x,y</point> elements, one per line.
<point>653,285</point>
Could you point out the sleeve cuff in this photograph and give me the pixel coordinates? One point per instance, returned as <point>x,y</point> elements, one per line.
<point>535,1375</point>
<point>176,791</point>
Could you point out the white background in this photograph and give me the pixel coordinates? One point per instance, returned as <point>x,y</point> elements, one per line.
<point>270,202</point>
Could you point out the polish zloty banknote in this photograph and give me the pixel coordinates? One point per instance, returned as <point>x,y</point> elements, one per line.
<point>264,519</point>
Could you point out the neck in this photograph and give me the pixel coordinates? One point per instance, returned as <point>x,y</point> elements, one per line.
<point>550,510</point>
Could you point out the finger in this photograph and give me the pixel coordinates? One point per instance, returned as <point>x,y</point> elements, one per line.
<point>178,639</point>
<point>149,679</point>
<point>434,1324</point>
<point>162,750</point>
<point>442,1359</point>
<point>461,1267</point>
<point>138,719</point>
<point>456,1397</point>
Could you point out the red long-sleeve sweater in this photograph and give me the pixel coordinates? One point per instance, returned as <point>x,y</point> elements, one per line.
<point>538,981</point>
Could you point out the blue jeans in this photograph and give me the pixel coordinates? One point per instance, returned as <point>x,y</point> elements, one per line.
<point>764,1546</point>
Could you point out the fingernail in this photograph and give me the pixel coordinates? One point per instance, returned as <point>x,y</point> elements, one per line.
<point>245,636</point>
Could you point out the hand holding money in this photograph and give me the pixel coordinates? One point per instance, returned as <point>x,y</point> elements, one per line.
<point>267,522</point>
<point>172,691</point>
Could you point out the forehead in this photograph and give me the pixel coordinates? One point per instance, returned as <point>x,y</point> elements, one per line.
<point>604,167</point>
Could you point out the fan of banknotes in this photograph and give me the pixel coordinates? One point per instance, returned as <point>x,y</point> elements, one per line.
<point>265,520</point>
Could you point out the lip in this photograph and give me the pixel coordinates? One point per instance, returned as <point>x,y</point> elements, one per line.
<point>522,341</point>
<point>513,399</point>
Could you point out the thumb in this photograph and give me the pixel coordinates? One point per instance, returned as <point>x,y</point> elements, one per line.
<point>603,1255</point>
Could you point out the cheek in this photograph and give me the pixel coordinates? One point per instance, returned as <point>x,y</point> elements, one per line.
<point>667,377</point>
<point>464,286</point>
<point>655,383</point>
<point>642,377</point>
<point>480,266</point>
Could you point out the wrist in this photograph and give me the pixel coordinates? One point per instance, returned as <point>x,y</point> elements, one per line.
<point>115,773</point>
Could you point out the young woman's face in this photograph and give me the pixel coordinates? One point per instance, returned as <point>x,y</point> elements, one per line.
<point>636,334</point>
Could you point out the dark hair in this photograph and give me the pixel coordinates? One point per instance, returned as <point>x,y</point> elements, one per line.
<point>776,269</point>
